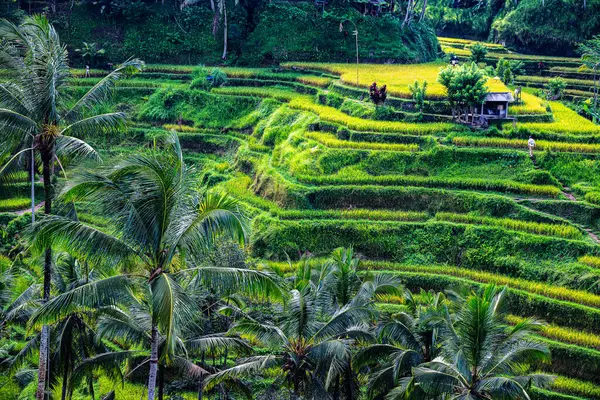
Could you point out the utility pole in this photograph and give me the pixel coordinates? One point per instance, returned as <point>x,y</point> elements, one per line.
<point>355,33</point>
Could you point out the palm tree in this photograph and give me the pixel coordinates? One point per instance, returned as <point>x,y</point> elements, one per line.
<point>310,354</point>
<point>340,284</point>
<point>331,303</point>
<point>89,52</point>
<point>480,358</point>
<point>163,227</point>
<point>36,115</point>
<point>407,340</point>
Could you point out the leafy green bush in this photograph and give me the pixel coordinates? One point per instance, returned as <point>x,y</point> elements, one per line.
<point>478,52</point>
<point>419,92</point>
<point>556,88</point>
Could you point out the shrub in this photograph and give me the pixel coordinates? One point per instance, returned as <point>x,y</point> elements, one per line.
<point>556,88</point>
<point>478,52</point>
<point>418,93</point>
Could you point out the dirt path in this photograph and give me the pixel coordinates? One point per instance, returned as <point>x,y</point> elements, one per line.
<point>36,208</point>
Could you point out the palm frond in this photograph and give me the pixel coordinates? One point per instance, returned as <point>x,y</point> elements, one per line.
<point>94,294</point>
<point>100,91</point>
<point>247,367</point>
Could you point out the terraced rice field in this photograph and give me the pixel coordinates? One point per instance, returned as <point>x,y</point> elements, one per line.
<point>438,205</point>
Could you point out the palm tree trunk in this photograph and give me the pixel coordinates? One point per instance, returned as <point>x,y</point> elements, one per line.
<point>45,336</point>
<point>201,388</point>
<point>32,184</point>
<point>153,362</point>
<point>161,381</point>
<point>224,56</point>
<point>65,379</point>
<point>423,10</point>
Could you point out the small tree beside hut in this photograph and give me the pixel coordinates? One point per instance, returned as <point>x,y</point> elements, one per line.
<point>466,90</point>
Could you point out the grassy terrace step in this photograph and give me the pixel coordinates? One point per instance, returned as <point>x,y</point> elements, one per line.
<point>334,115</point>
<point>518,301</point>
<point>239,188</point>
<point>522,144</point>
<point>15,204</point>
<point>573,361</point>
<point>416,199</point>
<point>578,212</point>
<point>332,141</point>
<point>434,182</point>
<point>563,334</point>
<point>397,77</point>
<point>576,387</point>
<point>555,292</point>
<point>565,121</point>
<point>560,230</point>
<point>520,255</point>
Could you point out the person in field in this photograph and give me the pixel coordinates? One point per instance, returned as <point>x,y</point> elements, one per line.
<point>531,145</point>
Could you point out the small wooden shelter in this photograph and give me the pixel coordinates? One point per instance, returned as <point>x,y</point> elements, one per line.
<point>495,105</point>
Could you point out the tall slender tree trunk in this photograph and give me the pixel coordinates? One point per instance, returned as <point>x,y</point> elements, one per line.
<point>423,10</point>
<point>408,12</point>
<point>201,389</point>
<point>43,367</point>
<point>32,173</point>
<point>224,56</point>
<point>153,362</point>
<point>65,379</point>
<point>161,381</point>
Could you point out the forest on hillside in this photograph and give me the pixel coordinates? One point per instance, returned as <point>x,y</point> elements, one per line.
<point>265,32</point>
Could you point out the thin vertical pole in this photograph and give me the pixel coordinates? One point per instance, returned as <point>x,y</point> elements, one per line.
<point>32,184</point>
<point>356,36</point>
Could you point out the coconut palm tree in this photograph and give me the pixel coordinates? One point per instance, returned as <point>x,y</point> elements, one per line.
<point>310,354</point>
<point>331,304</point>
<point>340,284</point>
<point>37,115</point>
<point>480,358</point>
<point>407,340</point>
<point>162,227</point>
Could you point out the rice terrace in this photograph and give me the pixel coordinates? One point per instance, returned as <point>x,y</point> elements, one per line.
<point>360,200</point>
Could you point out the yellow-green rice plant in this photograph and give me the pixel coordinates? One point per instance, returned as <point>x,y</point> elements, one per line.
<point>577,387</point>
<point>544,289</point>
<point>563,334</point>
<point>331,140</point>
<point>590,261</point>
<point>561,230</point>
<point>397,77</point>
<point>426,181</point>
<point>320,81</point>
<point>522,144</point>
<point>334,115</point>
<point>565,121</point>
